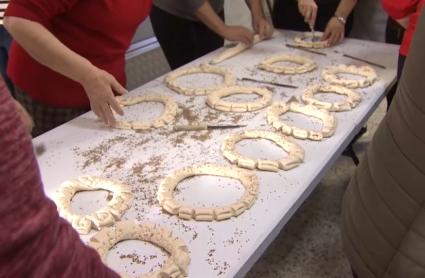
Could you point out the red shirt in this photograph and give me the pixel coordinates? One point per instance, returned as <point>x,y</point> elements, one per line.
<point>34,240</point>
<point>99,30</point>
<point>405,8</point>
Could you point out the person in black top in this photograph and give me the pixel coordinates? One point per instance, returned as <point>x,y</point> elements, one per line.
<point>333,17</point>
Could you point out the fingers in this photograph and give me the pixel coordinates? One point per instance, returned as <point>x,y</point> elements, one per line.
<point>117,87</point>
<point>109,117</point>
<point>115,106</point>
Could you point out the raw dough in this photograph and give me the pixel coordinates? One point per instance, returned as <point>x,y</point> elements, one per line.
<point>277,109</point>
<point>105,216</point>
<point>307,40</point>
<point>168,116</point>
<point>352,100</point>
<point>295,153</point>
<point>215,101</point>
<point>330,74</point>
<point>170,205</point>
<point>176,265</point>
<point>233,51</point>
<point>170,79</point>
<point>305,64</point>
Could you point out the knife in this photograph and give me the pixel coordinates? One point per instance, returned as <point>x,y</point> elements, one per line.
<point>268,82</point>
<point>201,126</point>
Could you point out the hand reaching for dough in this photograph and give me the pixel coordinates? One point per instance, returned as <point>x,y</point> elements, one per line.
<point>334,32</point>
<point>100,87</point>
<point>308,9</point>
<point>262,27</point>
<point>238,34</point>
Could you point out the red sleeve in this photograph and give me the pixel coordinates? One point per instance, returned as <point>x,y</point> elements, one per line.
<point>400,8</point>
<point>35,241</point>
<point>41,11</point>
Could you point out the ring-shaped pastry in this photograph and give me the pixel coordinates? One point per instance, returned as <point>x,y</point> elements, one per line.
<point>295,152</point>
<point>330,74</point>
<point>106,216</point>
<point>172,206</point>
<point>170,79</point>
<point>168,116</point>
<point>277,109</point>
<point>304,64</point>
<point>175,266</point>
<point>352,98</point>
<point>215,101</point>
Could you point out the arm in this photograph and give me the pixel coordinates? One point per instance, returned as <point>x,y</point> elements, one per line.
<point>207,15</point>
<point>46,49</point>
<point>259,22</point>
<point>335,30</point>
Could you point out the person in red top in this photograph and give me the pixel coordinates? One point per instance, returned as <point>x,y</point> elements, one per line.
<point>406,13</point>
<point>70,56</point>
<point>35,241</point>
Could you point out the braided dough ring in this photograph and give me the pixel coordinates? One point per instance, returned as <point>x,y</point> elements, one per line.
<point>295,152</point>
<point>352,100</point>
<point>214,99</point>
<point>105,216</point>
<point>309,40</point>
<point>175,266</point>
<point>167,116</point>
<point>170,79</point>
<point>328,119</point>
<point>330,75</point>
<point>305,64</point>
<point>170,205</point>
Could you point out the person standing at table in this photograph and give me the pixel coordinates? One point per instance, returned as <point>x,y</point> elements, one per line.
<point>34,240</point>
<point>332,17</point>
<point>70,56</point>
<point>189,29</point>
<point>5,41</point>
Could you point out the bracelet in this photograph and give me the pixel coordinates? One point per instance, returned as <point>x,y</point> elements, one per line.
<point>341,19</point>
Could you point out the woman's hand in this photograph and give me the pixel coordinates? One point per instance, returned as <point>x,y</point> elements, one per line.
<point>334,32</point>
<point>100,87</point>
<point>238,33</point>
<point>262,27</point>
<point>308,9</point>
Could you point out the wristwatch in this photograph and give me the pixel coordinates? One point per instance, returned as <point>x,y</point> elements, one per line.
<point>341,19</point>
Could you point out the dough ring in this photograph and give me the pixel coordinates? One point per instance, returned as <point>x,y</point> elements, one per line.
<point>295,153</point>
<point>330,75</point>
<point>170,79</point>
<point>352,100</point>
<point>170,205</point>
<point>167,116</point>
<point>106,216</point>
<point>214,99</point>
<point>310,40</point>
<point>176,265</point>
<point>304,64</point>
<point>328,119</point>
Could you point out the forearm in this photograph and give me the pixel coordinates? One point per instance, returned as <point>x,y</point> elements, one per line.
<point>256,8</point>
<point>209,17</point>
<point>45,48</point>
<point>345,7</point>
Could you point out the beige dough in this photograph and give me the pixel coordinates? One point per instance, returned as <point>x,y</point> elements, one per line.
<point>170,205</point>
<point>215,101</point>
<point>352,100</point>
<point>170,79</point>
<point>295,153</point>
<point>167,116</point>
<point>106,216</point>
<point>233,51</point>
<point>330,74</point>
<point>305,64</point>
<point>277,109</point>
<point>176,265</point>
<point>307,40</point>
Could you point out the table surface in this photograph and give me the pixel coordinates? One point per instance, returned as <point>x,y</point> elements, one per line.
<point>229,248</point>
